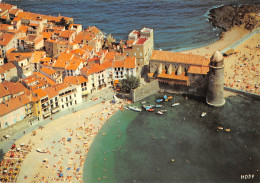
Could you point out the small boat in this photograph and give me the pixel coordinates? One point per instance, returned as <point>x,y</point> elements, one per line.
<point>146,107</point>
<point>159,100</point>
<point>166,100</point>
<point>151,110</point>
<point>40,150</point>
<point>203,114</point>
<point>158,106</point>
<point>159,112</point>
<point>165,97</point>
<point>220,128</point>
<point>227,130</point>
<point>134,108</point>
<point>164,110</point>
<point>175,104</point>
<point>143,102</point>
<point>170,97</point>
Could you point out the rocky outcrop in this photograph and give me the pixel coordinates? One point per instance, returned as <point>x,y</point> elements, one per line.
<point>225,17</point>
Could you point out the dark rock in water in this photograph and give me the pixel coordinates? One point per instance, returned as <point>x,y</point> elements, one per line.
<point>225,17</point>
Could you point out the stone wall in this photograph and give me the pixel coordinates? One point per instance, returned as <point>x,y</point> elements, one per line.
<point>251,95</point>
<point>106,93</point>
<point>145,91</point>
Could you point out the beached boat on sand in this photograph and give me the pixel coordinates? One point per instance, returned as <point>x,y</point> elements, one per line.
<point>151,110</point>
<point>134,108</point>
<point>40,150</point>
<point>175,104</point>
<point>158,106</point>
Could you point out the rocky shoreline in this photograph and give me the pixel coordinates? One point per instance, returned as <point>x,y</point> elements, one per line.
<point>228,16</point>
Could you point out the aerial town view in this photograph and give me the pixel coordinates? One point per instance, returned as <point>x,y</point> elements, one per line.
<point>170,94</point>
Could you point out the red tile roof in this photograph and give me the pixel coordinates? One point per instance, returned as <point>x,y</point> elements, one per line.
<point>176,57</point>
<point>60,87</point>
<point>141,41</point>
<point>13,104</point>
<point>48,70</point>
<point>198,70</point>
<point>14,88</point>
<point>173,76</point>
<point>119,64</point>
<point>18,56</point>
<point>76,80</point>
<point>130,62</point>
<point>37,55</point>
<point>93,30</point>
<point>51,92</point>
<point>6,38</point>
<point>6,67</point>
<point>67,33</point>
<point>40,93</point>
<point>3,91</point>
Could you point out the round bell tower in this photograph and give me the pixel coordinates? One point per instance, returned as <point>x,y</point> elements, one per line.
<point>216,81</point>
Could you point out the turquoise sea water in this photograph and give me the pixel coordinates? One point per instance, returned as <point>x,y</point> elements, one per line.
<point>139,147</point>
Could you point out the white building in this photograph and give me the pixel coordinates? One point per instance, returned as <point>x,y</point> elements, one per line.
<point>70,95</point>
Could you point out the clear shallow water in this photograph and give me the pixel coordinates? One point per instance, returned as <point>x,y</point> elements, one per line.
<point>139,147</point>
<point>177,24</point>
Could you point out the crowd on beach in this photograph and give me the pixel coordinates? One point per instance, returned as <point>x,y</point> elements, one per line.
<point>245,69</point>
<point>62,159</point>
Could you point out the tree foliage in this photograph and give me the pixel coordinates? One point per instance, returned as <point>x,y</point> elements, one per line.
<point>131,82</point>
<point>63,22</point>
<point>14,79</point>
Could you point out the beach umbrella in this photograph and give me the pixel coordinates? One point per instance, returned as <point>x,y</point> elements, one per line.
<point>77,170</point>
<point>18,148</point>
<point>68,168</point>
<point>61,175</point>
<point>22,144</point>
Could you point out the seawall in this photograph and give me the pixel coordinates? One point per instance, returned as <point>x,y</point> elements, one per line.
<point>239,92</point>
<point>145,91</point>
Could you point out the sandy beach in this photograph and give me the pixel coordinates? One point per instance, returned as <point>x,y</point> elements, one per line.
<point>66,141</point>
<point>226,39</point>
<point>241,69</point>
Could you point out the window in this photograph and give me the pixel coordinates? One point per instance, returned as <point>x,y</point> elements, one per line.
<point>141,54</point>
<point>62,106</point>
<point>70,103</point>
<point>74,94</point>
